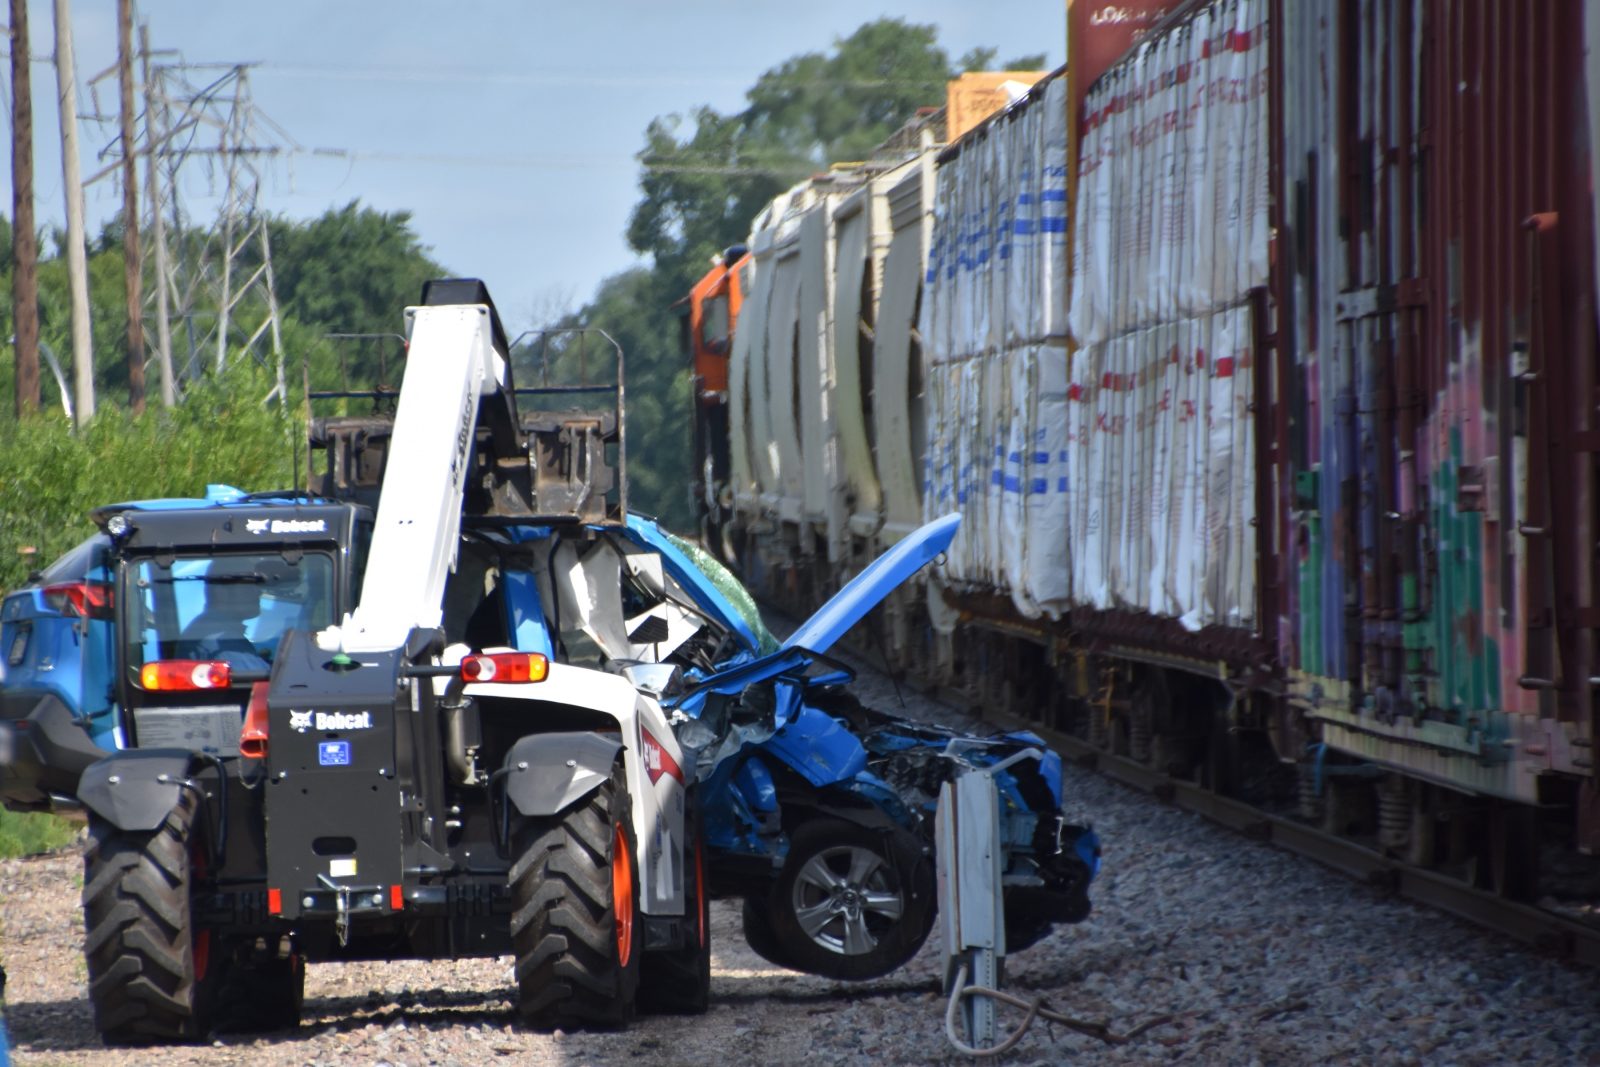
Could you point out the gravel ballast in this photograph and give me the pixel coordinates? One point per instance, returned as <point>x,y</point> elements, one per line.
<point>1256,956</point>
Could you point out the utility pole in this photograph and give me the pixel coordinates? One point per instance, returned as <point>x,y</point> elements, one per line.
<point>169,391</point>
<point>130,209</point>
<point>24,243</point>
<point>77,259</point>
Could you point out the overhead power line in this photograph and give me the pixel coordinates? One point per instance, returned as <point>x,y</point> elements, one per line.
<point>585,79</point>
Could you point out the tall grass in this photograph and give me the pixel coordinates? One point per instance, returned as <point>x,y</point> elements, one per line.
<point>52,476</point>
<point>24,834</point>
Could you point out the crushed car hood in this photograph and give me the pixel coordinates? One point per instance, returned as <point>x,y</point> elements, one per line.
<point>843,610</point>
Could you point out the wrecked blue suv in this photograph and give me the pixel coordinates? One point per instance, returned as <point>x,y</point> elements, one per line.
<point>818,810</point>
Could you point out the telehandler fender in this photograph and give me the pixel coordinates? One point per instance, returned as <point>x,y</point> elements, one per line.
<point>545,773</point>
<point>136,790</point>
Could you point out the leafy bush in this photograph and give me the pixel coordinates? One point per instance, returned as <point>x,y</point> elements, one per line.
<point>24,835</point>
<point>52,477</point>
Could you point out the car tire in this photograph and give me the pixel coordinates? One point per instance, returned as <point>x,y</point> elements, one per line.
<point>575,928</point>
<point>760,936</point>
<point>851,903</point>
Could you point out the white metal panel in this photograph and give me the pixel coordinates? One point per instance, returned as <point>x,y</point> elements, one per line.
<point>898,376</point>
<point>787,494</point>
<point>752,317</point>
<point>822,479</point>
<point>853,275</point>
<point>755,327</point>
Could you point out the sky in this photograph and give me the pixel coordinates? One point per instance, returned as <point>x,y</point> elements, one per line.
<point>507,129</point>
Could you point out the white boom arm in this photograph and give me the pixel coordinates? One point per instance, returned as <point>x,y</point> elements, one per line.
<point>451,365</point>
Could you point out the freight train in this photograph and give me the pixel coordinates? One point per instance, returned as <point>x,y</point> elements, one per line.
<point>1257,349</point>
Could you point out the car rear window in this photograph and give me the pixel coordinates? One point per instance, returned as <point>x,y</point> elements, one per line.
<point>80,563</point>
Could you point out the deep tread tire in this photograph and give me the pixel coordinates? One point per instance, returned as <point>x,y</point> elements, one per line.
<point>901,869</point>
<point>138,944</point>
<point>678,981</point>
<point>563,921</point>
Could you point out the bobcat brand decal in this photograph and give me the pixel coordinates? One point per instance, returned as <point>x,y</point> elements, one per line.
<point>657,760</point>
<point>286,526</point>
<point>301,721</point>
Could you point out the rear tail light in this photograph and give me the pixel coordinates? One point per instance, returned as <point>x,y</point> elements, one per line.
<point>87,600</point>
<point>185,674</point>
<point>505,667</point>
<point>253,739</point>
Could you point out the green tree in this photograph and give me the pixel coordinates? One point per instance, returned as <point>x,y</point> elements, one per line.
<point>705,176</point>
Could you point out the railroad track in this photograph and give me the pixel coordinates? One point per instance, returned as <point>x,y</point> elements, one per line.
<point>1543,930</point>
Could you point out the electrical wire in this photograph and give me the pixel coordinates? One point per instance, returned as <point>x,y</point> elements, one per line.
<point>1034,1009</point>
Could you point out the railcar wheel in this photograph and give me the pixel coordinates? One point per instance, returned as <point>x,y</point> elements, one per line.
<point>153,975</point>
<point>678,981</point>
<point>575,927</point>
<point>851,903</point>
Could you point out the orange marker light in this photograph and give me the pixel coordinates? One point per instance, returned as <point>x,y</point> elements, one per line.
<point>182,674</point>
<point>505,667</point>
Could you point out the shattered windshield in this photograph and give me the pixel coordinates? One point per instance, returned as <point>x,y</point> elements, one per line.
<point>233,608</point>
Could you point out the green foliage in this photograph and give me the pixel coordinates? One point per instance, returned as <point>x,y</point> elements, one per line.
<point>704,178</point>
<point>701,192</point>
<point>633,308</point>
<point>51,477</point>
<point>24,834</point>
<point>351,270</point>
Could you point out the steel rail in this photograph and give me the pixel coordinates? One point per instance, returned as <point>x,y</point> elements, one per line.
<point>1545,931</point>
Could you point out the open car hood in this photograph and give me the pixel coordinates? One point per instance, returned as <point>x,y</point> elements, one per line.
<point>843,610</point>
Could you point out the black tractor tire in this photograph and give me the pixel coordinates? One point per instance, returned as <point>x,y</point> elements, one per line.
<point>153,976</point>
<point>575,928</point>
<point>851,903</point>
<point>678,981</point>
<point>259,995</point>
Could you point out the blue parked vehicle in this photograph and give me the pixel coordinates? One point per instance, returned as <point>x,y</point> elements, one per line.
<point>56,712</point>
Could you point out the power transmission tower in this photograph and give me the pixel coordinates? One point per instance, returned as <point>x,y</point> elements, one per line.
<point>215,284</point>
